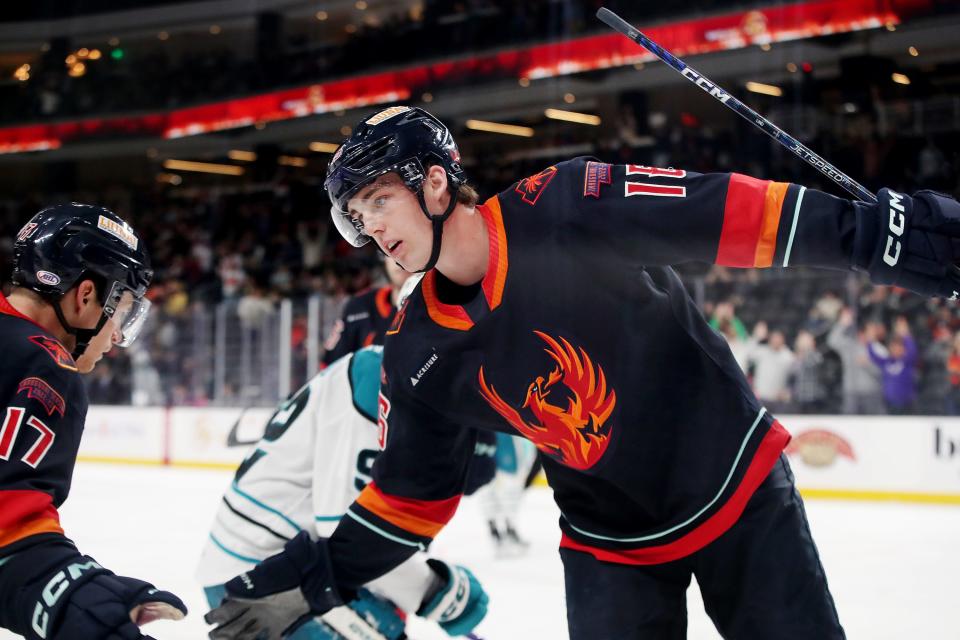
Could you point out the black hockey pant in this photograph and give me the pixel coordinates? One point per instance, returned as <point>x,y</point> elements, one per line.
<point>761,580</point>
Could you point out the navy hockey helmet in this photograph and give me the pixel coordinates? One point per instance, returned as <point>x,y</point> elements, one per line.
<point>400,139</point>
<point>66,243</point>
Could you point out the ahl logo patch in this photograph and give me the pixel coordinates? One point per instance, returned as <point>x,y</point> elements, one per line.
<point>531,188</point>
<point>56,350</point>
<point>39,390</point>
<point>46,277</point>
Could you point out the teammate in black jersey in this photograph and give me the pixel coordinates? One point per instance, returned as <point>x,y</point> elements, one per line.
<point>365,317</point>
<point>551,311</point>
<point>80,274</point>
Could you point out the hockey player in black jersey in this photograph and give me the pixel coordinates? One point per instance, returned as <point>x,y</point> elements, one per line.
<point>80,274</point>
<point>551,311</point>
<point>365,317</point>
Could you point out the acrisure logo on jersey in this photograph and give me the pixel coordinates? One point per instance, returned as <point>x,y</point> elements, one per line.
<point>415,379</point>
<point>575,433</point>
<point>121,231</point>
<point>386,114</point>
<point>47,277</point>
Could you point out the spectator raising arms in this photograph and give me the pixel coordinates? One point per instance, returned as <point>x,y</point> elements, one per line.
<point>861,379</point>
<point>897,365</point>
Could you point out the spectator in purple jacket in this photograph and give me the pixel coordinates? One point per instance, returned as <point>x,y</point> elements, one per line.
<point>897,364</point>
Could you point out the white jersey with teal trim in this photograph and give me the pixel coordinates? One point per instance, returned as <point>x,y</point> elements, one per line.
<point>315,456</point>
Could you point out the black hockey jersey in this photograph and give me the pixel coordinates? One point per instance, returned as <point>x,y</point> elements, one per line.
<point>581,338</point>
<point>44,405</point>
<point>363,321</point>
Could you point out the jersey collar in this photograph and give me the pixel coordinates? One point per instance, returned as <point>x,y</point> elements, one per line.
<point>8,309</point>
<point>494,281</point>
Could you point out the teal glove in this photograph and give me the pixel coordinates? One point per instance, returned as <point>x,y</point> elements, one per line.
<point>459,603</point>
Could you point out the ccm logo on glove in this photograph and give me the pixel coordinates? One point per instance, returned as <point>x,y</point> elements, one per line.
<point>896,226</point>
<point>52,592</point>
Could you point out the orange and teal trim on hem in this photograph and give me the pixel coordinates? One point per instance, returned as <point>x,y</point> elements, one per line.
<point>423,518</point>
<point>767,454</point>
<point>751,220</point>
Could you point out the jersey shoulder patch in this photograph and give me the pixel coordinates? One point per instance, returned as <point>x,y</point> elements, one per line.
<point>55,350</point>
<point>531,188</point>
<point>40,390</point>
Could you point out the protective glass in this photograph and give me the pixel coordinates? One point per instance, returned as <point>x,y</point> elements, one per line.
<point>128,312</point>
<point>348,228</point>
<point>366,212</point>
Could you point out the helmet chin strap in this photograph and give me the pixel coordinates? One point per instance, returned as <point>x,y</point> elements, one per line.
<point>83,336</point>
<point>437,222</point>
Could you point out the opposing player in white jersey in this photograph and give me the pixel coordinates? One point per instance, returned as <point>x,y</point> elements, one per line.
<point>315,457</point>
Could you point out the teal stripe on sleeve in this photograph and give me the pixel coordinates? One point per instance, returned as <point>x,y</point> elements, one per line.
<point>232,554</point>
<point>256,502</point>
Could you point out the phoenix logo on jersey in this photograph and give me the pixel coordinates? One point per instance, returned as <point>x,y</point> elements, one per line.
<point>576,435</point>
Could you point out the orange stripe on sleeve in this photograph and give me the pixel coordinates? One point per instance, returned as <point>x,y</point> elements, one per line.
<point>26,513</point>
<point>772,206</point>
<point>420,517</point>
<point>743,216</point>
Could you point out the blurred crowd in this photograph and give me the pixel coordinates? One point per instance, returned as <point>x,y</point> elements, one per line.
<point>858,349</point>
<point>821,343</point>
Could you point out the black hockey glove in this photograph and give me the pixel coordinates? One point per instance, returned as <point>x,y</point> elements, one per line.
<point>913,243</point>
<point>81,599</point>
<point>278,594</point>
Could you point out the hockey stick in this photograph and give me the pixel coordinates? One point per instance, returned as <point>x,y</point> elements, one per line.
<point>772,130</point>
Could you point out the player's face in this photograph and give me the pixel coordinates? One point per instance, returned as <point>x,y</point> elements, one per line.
<point>390,214</point>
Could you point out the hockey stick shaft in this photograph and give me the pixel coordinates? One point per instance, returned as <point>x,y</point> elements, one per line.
<point>802,151</point>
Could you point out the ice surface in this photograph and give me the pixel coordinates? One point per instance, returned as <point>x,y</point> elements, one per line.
<point>892,567</point>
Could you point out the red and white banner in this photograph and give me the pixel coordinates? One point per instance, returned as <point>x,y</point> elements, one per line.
<point>718,33</point>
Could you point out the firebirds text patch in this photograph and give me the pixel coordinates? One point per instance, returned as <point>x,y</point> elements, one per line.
<point>38,389</point>
<point>597,174</point>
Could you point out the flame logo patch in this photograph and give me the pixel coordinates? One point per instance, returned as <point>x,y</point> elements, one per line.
<point>531,188</point>
<point>574,433</point>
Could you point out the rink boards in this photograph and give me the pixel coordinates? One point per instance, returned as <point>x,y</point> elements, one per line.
<point>914,458</point>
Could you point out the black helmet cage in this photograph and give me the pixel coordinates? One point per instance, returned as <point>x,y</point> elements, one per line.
<point>65,244</point>
<point>404,140</point>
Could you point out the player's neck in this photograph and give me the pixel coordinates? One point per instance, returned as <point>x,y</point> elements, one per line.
<point>464,252</point>
<point>38,310</point>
